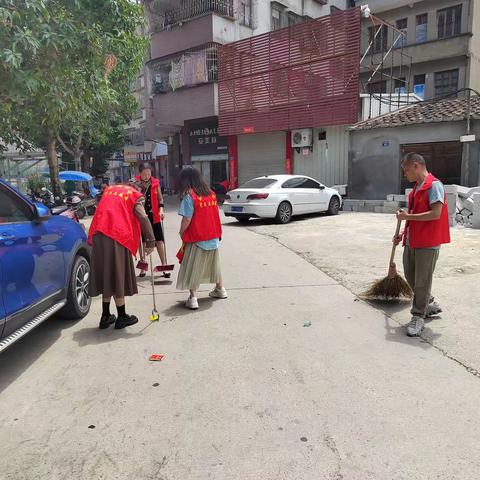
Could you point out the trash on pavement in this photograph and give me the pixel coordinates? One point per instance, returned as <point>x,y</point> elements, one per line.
<point>307,324</point>
<point>156,358</point>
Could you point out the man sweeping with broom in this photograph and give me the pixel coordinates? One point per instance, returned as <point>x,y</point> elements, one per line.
<point>425,230</point>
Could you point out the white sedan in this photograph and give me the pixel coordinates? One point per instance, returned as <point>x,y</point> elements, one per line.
<point>280,197</point>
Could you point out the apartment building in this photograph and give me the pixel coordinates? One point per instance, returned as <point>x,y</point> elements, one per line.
<point>181,77</point>
<point>441,46</point>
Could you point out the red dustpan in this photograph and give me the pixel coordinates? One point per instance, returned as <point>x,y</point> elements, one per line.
<point>164,268</point>
<point>142,264</point>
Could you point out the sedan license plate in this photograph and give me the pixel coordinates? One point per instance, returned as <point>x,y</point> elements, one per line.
<point>237,209</point>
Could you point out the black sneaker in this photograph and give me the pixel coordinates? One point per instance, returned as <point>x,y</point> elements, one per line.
<point>123,322</point>
<point>106,321</point>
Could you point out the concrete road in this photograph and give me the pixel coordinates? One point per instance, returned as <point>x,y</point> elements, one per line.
<point>246,391</point>
<point>354,249</point>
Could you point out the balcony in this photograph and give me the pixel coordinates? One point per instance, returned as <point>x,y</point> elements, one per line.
<point>185,69</point>
<point>162,19</point>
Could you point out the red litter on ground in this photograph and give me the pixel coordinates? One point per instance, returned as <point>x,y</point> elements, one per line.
<point>156,358</point>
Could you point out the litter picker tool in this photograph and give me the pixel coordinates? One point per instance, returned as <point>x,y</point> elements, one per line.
<point>154,316</point>
<point>393,285</point>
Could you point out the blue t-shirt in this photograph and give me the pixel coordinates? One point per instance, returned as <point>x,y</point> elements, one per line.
<point>186,210</point>
<point>435,194</point>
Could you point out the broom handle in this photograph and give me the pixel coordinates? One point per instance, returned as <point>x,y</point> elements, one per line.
<point>394,247</point>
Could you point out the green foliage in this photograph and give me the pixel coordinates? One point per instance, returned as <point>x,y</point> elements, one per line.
<point>53,76</point>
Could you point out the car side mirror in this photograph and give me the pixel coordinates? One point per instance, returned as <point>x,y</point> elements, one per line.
<point>42,212</point>
<point>321,187</point>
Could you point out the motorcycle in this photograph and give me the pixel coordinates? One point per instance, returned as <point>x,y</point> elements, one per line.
<point>46,197</point>
<point>75,203</point>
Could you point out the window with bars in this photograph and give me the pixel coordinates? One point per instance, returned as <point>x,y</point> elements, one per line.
<point>186,69</point>
<point>449,21</point>
<point>245,13</point>
<point>446,82</point>
<point>381,39</point>
<point>277,19</point>
<point>401,41</point>
<point>421,28</point>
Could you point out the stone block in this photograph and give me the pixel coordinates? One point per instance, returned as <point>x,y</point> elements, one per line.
<point>476,210</point>
<point>391,198</point>
<point>400,198</point>
<point>378,209</point>
<point>391,204</point>
<point>452,203</point>
<point>451,189</point>
<point>389,209</point>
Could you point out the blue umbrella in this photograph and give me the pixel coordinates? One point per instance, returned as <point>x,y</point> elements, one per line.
<point>74,176</point>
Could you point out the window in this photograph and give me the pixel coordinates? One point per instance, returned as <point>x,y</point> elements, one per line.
<point>380,42</point>
<point>294,19</point>
<point>421,28</point>
<point>446,82</point>
<point>246,13</point>
<point>12,209</point>
<point>419,85</point>
<point>277,16</point>
<point>309,183</point>
<point>259,183</point>
<point>401,85</point>
<point>449,21</point>
<point>377,87</point>
<point>401,40</point>
<point>294,183</point>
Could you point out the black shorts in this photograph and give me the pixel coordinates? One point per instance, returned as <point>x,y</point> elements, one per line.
<point>157,231</point>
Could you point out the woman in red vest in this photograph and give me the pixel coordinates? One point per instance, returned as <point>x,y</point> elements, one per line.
<point>201,232</point>
<point>115,236</point>
<point>150,187</point>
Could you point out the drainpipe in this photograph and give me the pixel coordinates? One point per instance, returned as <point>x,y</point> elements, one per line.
<point>466,163</point>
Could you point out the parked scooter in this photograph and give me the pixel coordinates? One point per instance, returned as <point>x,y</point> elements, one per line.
<point>76,204</point>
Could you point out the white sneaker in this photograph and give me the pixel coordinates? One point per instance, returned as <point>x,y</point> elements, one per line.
<point>433,309</point>
<point>192,303</point>
<point>218,293</point>
<point>415,327</point>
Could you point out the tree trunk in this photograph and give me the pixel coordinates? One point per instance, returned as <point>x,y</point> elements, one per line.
<point>53,164</point>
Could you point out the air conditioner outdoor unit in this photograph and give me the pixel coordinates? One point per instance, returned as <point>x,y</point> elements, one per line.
<point>302,137</point>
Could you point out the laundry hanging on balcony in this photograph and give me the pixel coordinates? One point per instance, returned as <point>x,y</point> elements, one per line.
<point>195,69</point>
<point>177,74</point>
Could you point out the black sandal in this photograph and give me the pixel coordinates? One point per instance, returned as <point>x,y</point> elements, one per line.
<point>142,274</point>
<point>166,275</point>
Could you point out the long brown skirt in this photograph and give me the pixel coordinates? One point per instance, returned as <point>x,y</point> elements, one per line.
<point>112,269</point>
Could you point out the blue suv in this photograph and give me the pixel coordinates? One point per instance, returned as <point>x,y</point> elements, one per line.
<point>44,266</point>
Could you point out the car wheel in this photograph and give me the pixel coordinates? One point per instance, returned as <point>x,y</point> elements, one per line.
<point>284,212</point>
<point>334,206</point>
<point>78,299</point>
<point>243,219</point>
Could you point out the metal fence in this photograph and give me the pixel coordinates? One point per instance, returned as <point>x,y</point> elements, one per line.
<point>185,69</point>
<point>302,76</point>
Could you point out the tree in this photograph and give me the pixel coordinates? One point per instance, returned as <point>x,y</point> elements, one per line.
<point>64,65</point>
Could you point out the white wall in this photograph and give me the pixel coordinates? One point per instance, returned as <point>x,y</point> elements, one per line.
<point>226,31</point>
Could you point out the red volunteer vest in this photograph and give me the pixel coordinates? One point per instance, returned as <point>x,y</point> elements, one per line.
<point>115,217</point>
<point>426,234</point>
<point>205,224</point>
<point>154,184</point>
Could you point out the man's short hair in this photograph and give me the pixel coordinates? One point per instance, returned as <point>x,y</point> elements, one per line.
<point>413,157</point>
